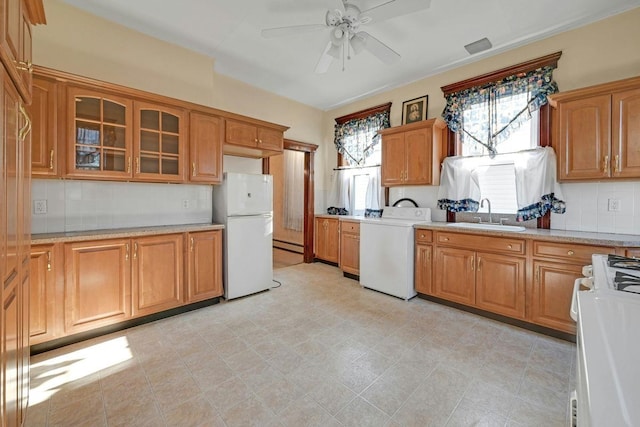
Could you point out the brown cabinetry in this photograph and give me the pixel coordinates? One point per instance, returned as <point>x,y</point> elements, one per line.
<point>254,136</point>
<point>205,148</point>
<point>424,262</point>
<point>556,266</point>
<point>204,263</point>
<point>411,154</point>
<point>44,114</point>
<point>327,243</point>
<point>157,274</point>
<point>350,247</point>
<point>597,131</point>
<point>42,314</point>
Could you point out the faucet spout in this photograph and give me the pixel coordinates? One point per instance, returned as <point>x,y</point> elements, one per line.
<point>488,206</point>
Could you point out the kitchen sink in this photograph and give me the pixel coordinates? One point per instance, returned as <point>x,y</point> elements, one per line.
<point>483,226</point>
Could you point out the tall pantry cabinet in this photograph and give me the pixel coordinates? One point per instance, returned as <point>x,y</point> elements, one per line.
<point>15,214</point>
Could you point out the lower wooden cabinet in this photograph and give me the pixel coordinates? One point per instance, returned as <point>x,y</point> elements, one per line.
<point>500,284</point>
<point>42,322</point>
<point>204,263</point>
<point>97,284</point>
<point>350,247</point>
<point>455,276</point>
<point>423,262</point>
<point>157,274</point>
<point>327,239</point>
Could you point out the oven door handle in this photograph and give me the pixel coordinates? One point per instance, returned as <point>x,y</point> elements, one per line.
<point>581,281</point>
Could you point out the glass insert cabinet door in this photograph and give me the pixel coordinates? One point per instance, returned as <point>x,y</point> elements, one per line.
<point>101,134</point>
<point>160,141</point>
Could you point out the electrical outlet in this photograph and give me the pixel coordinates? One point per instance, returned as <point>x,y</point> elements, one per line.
<point>185,203</point>
<point>39,207</point>
<point>614,205</point>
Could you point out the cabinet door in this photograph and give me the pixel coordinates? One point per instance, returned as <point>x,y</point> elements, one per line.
<point>424,269</point>
<point>626,134</point>
<point>42,294</point>
<point>11,208</point>
<point>239,133</point>
<point>455,275</point>
<point>393,159</point>
<point>327,239</point>
<point>43,112</point>
<point>350,253</point>
<point>552,293</point>
<point>97,285</point>
<point>205,265</point>
<point>205,148</point>
<point>158,277</point>
<point>160,143</point>
<point>584,138</point>
<point>500,284</point>
<point>100,135</point>
<point>419,153</point>
<point>11,356</point>
<point>270,139</point>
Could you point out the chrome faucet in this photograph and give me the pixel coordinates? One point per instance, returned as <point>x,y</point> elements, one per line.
<point>489,206</point>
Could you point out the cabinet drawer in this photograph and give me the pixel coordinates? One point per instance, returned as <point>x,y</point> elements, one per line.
<point>424,236</point>
<point>352,227</point>
<point>568,251</point>
<point>485,243</point>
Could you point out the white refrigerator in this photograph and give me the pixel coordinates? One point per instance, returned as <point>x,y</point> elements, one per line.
<point>244,204</point>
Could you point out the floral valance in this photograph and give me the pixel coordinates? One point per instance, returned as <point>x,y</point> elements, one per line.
<point>523,94</point>
<point>356,138</point>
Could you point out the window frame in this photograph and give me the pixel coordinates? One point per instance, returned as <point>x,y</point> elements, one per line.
<point>454,145</point>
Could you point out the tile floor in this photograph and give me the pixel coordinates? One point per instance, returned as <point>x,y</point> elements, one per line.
<point>318,351</point>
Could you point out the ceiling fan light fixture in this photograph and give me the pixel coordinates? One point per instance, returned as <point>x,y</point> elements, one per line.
<point>478,46</point>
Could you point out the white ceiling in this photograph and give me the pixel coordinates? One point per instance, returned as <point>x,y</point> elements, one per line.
<point>429,41</point>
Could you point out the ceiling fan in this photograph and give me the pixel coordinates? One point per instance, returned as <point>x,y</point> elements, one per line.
<point>343,23</point>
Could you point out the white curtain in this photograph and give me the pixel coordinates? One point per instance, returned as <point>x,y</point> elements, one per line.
<point>375,198</point>
<point>293,211</point>
<point>340,186</point>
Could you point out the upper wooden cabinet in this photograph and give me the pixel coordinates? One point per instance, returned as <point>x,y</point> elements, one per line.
<point>252,139</point>
<point>597,131</point>
<point>411,154</point>
<point>159,142</point>
<point>205,148</point>
<point>15,45</point>
<point>43,112</point>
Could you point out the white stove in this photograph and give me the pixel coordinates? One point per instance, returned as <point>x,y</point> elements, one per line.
<point>608,372</point>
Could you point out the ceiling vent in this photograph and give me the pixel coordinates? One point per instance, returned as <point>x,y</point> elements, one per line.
<point>478,46</point>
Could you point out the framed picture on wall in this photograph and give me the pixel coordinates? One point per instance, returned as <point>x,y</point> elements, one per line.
<point>415,110</point>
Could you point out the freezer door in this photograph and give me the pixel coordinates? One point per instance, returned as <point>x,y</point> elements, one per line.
<point>249,194</point>
<point>249,255</point>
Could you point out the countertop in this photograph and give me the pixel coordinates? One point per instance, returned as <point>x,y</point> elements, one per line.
<point>341,217</point>
<point>119,233</point>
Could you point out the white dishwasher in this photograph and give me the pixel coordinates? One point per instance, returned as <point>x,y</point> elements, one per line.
<point>386,250</point>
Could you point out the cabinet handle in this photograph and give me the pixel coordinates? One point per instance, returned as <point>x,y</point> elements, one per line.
<point>48,260</point>
<point>479,263</point>
<point>27,124</point>
<point>422,236</point>
<point>605,164</point>
<point>570,253</point>
<point>510,246</point>
<point>129,165</point>
<point>137,164</point>
<point>126,254</point>
<point>446,239</point>
<point>192,244</point>
<point>473,263</point>
<point>616,164</point>
<point>259,141</point>
<point>255,140</point>
<point>135,250</point>
<point>51,153</point>
<point>193,169</point>
<point>24,66</point>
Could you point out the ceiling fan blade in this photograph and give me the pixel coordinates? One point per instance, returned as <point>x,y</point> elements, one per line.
<point>325,60</point>
<point>291,30</point>
<point>380,50</point>
<point>338,4</point>
<point>393,8</point>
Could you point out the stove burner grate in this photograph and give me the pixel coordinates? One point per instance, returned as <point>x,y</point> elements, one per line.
<point>617,261</point>
<point>627,282</point>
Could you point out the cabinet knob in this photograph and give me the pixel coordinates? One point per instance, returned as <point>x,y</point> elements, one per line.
<point>446,239</point>
<point>570,253</point>
<point>510,246</point>
<point>422,236</point>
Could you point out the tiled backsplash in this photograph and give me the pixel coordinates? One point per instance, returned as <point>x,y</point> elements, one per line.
<point>93,205</point>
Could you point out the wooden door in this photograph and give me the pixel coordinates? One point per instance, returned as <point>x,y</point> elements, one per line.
<point>99,135</point>
<point>97,284</point>
<point>204,259</point>
<point>419,152</point>
<point>42,294</point>
<point>158,278</point>
<point>393,159</point>
<point>270,139</point>
<point>327,239</point>
<point>424,269</point>
<point>552,293</point>
<point>159,142</point>
<point>349,251</point>
<point>500,284</point>
<point>239,133</point>
<point>43,111</point>
<point>626,134</point>
<point>205,148</point>
<point>584,138</point>
<point>12,181</point>
<point>455,275</point>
